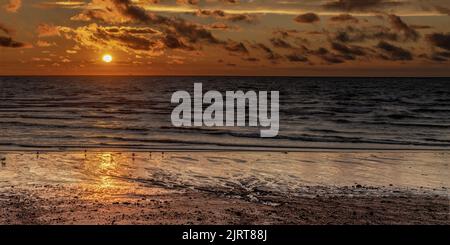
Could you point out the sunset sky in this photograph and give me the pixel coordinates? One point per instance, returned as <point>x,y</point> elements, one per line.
<point>226,37</point>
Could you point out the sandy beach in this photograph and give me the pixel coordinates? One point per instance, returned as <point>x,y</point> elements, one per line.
<point>224,188</point>
<point>61,205</point>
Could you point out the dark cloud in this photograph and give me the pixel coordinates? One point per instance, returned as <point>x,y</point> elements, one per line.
<point>307,18</point>
<point>237,47</point>
<point>344,18</point>
<point>125,10</point>
<point>133,42</point>
<point>354,34</point>
<point>173,42</point>
<point>327,56</point>
<point>220,14</point>
<point>193,32</point>
<point>296,58</point>
<point>332,59</point>
<point>321,51</point>
<point>393,52</point>
<point>399,31</point>
<point>215,13</point>
<point>440,56</point>
<point>8,42</point>
<point>230,1</point>
<point>344,40</point>
<point>242,18</point>
<point>342,53</point>
<point>5,29</point>
<point>398,25</point>
<point>348,52</point>
<point>360,5</point>
<point>221,26</point>
<point>270,54</point>
<point>443,54</point>
<point>190,2</point>
<point>417,27</point>
<point>284,33</point>
<point>440,40</point>
<point>251,59</point>
<point>280,43</point>
<point>436,58</point>
<point>443,10</point>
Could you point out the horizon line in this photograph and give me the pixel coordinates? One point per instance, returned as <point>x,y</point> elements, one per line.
<point>221,75</point>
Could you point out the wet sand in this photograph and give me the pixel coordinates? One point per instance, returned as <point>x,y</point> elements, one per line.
<point>62,205</point>
<point>195,188</point>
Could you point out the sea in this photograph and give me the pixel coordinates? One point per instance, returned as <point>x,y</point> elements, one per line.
<point>134,113</point>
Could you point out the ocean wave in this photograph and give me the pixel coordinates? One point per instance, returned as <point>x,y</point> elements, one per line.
<point>135,112</point>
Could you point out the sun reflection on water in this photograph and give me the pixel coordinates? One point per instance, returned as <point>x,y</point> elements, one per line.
<point>107,161</point>
<point>103,168</point>
<point>113,176</point>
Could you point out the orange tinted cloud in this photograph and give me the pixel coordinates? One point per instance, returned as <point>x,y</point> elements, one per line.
<point>13,6</point>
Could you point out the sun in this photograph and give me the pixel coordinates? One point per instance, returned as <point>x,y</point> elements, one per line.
<point>107,58</point>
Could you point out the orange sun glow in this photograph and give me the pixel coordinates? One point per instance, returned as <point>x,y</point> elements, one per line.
<point>107,58</point>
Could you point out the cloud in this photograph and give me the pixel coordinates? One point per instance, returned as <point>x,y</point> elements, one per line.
<point>270,54</point>
<point>231,1</point>
<point>344,18</point>
<point>5,29</point>
<point>285,32</point>
<point>440,40</point>
<point>41,59</point>
<point>399,31</point>
<point>113,11</point>
<point>251,59</point>
<point>238,47</point>
<point>348,52</point>
<point>47,30</point>
<point>123,11</point>
<point>296,58</point>
<point>327,56</point>
<point>355,34</point>
<point>127,39</point>
<point>416,27</point>
<point>221,26</point>
<point>360,5</point>
<point>44,44</point>
<point>307,18</point>
<point>242,18</point>
<point>393,52</point>
<point>408,32</point>
<point>13,6</point>
<point>220,14</point>
<point>174,42</point>
<point>192,32</point>
<point>148,28</point>
<point>439,56</point>
<point>190,2</point>
<point>8,42</point>
<point>213,1</point>
<point>443,10</point>
<point>61,4</point>
<point>280,43</point>
<point>127,8</point>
